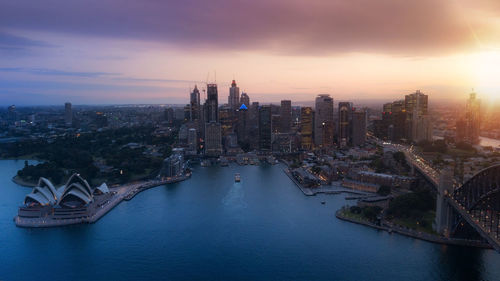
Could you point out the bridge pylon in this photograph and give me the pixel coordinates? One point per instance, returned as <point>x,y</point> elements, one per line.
<point>444,212</point>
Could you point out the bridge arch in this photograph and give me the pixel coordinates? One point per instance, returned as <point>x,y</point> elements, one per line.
<point>479,189</point>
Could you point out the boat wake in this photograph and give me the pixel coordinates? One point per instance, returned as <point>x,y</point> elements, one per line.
<point>234,199</point>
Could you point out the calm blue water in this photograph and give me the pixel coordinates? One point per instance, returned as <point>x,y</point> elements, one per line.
<point>209,228</point>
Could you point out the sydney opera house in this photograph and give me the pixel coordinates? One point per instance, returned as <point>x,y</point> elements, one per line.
<point>74,200</point>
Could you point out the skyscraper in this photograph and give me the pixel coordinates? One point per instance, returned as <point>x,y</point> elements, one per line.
<point>306,128</point>
<point>68,114</point>
<point>194,102</point>
<point>419,122</point>
<point>212,104</point>
<point>285,116</point>
<point>213,139</point>
<point>358,128</point>
<point>417,102</point>
<point>253,127</point>
<point>233,99</point>
<point>243,124</point>
<point>265,128</point>
<point>472,119</point>
<point>192,141</point>
<point>345,118</point>
<point>323,121</point>
<point>245,99</point>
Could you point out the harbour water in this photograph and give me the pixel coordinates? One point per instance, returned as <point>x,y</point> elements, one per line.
<point>490,142</point>
<point>211,228</point>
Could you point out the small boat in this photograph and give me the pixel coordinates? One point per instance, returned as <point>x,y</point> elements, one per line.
<point>323,202</point>
<point>237,177</point>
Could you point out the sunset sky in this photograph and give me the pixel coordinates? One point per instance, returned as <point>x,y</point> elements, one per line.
<point>147,51</point>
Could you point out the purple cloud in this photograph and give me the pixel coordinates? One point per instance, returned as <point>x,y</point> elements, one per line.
<point>277,26</point>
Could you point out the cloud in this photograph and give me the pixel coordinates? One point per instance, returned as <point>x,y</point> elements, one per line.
<point>132,79</point>
<point>308,27</point>
<point>15,42</point>
<point>54,72</point>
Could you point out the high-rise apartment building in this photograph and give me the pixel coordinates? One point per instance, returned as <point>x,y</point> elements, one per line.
<point>323,121</point>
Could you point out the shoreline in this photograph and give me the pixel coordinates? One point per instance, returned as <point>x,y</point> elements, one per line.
<point>390,228</point>
<point>413,234</point>
<point>17,180</point>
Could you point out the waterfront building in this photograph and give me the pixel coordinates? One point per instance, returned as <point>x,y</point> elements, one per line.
<point>306,128</point>
<point>233,100</point>
<point>75,199</point>
<point>265,128</point>
<point>472,119</point>
<point>68,114</point>
<point>323,121</point>
<point>345,119</point>
<point>358,128</point>
<point>285,116</point>
<point>213,139</point>
<point>194,102</point>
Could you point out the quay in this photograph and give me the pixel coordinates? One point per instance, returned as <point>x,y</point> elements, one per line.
<point>101,206</point>
<point>325,189</point>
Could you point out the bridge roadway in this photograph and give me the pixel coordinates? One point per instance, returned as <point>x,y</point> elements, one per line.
<point>477,219</point>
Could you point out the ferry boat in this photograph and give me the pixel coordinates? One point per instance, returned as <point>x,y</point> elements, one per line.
<point>237,177</point>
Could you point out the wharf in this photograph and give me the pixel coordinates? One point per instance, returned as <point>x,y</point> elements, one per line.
<point>328,189</point>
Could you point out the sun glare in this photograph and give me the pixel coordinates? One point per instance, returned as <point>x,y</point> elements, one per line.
<point>486,69</point>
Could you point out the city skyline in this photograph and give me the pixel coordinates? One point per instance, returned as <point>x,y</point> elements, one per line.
<point>117,55</point>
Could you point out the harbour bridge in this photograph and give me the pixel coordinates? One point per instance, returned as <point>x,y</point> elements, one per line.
<point>470,210</point>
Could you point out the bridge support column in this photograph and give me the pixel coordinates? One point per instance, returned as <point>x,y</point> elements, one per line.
<point>444,213</point>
